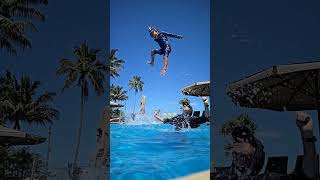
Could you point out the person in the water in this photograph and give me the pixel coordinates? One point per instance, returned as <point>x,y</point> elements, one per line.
<point>162,39</point>
<point>185,120</point>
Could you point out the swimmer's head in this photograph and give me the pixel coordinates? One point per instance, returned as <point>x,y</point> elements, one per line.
<point>153,32</point>
<point>186,106</point>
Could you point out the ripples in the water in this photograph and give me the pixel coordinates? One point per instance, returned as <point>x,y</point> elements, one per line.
<point>147,149</point>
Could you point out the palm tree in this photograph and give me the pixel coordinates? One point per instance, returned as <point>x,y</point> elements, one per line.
<point>117,93</point>
<point>137,85</point>
<point>79,72</point>
<point>16,18</point>
<point>19,103</point>
<point>115,64</point>
<point>22,163</point>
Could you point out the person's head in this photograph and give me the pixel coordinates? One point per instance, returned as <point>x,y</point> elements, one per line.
<point>242,134</point>
<point>186,107</point>
<point>153,32</point>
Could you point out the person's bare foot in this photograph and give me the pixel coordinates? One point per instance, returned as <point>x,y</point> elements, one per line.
<point>151,63</point>
<point>163,71</point>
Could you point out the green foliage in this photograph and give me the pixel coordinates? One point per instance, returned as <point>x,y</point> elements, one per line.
<point>115,64</point>
<point>18,164</point>
<point>241,120</point>
<point>16,19</point>
<point>136,83</point>
<point>117,93</point>
<point>84,68</point>
<point>20,101</point>
<point>116,113</point>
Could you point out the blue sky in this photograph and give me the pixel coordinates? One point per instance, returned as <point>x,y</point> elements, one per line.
<point>254,35</point>
<point>189,59</point>
<point>76,22</point>
<point>68,24</point>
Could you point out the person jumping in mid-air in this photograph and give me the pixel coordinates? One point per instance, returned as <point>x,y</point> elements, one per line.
<point>162,39</point>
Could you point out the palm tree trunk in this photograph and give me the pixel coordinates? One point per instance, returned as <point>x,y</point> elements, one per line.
<point>48,152</point>
<point>80,128</point>
<point>134,105</point>
<point>33,168</point>
<point>16,125</point>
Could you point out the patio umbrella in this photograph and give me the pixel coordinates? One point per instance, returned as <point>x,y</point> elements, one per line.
<point>113,104</point>
<point>291,87</point>
<point>197,89</point>
<point>13,137</point>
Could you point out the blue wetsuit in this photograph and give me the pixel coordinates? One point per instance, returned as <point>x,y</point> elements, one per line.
<point>163,42</point>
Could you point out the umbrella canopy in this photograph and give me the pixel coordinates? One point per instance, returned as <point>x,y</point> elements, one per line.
<point>13,137</point>
<point>197,89</point>
<point>291,87</point>
<point>113,104</point>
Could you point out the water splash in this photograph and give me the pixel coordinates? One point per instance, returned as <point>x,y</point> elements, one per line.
<point>147,121</point>
<point>141,120</point>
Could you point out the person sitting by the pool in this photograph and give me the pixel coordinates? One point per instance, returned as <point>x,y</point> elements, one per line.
<point>247,152</point>
<point>247,156</point>
<point>310,166</point>
<point>185,119</point>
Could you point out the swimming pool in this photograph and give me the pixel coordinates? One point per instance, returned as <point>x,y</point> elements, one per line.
<point>156,151</point>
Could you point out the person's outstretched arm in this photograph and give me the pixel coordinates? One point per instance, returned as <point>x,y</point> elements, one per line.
<point>172,35</point>
<point>158,117</point>
<point>206,106</point>
<point>310,160</point>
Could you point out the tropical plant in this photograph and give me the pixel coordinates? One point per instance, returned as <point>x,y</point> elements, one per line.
<point>116,113</point>
<point>21,164</point>
<point>19,102</point>
<point>117,93</point>
<point>84,68</point>
<point>115,64</point>
<point>135,84</point>
<point>16,19</point>
<point>241,120</point>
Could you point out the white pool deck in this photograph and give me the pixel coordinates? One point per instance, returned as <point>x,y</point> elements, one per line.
<point>203,175</point>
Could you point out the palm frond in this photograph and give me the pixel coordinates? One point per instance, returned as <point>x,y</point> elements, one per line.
<point>27,12</point>
<point>115,64</point>
<point>16,17</point>
<point>5,44</point>
<point>21,103</point>
<point>136,83</point>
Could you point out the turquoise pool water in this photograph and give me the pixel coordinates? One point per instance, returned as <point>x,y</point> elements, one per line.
<point>157,152</point>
